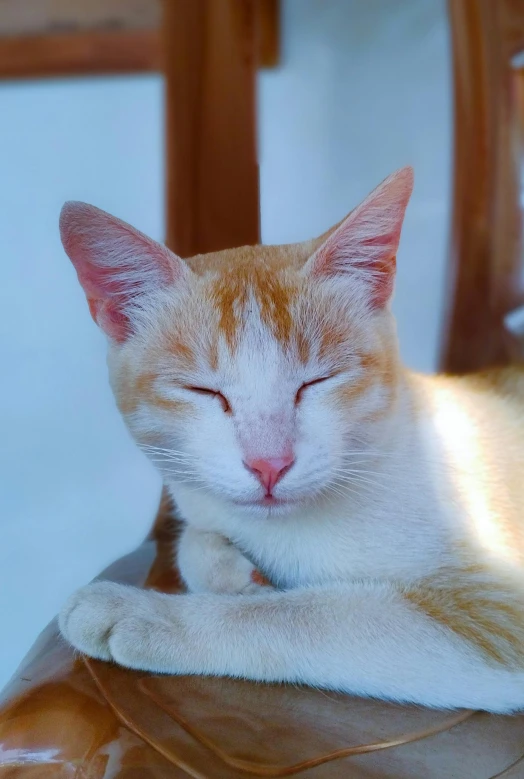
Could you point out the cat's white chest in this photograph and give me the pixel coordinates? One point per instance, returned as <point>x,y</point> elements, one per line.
<point>291,554</point>
<point>309,548</point>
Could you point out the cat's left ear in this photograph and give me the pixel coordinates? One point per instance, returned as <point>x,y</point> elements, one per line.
<point>365,244</point>
<point>118,266</point>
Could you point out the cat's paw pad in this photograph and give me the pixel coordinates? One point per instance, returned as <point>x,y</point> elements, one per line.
<point>91,615</point>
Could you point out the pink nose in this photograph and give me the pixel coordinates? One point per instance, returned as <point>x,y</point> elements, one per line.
<point>269,471</point>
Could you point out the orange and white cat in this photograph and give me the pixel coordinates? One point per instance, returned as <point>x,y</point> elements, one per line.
<point>386,508</point>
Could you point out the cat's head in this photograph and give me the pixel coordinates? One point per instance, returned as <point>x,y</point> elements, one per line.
<point>261,374</point>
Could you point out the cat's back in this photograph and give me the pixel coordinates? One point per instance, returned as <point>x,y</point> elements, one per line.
<point>480,415</point>
<point>506,383</point>
<point>472,428</point>
<point>492,399</point>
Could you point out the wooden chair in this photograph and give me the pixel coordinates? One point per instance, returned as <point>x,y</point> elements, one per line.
<point>67,716</point>
<point>486,281</point>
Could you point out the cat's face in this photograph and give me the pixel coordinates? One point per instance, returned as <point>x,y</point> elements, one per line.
<point>258,365</point>
<point>261,375</point>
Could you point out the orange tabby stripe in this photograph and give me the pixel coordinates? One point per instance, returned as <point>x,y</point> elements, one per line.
<point>176,346</point>
<point>491,620</point>
<point>273,297</point>
<point>333,336</point>
<point>139,390</point>
<point>376,368</point>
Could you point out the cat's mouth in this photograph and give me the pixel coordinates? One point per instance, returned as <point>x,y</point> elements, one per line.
<point>270,500</point>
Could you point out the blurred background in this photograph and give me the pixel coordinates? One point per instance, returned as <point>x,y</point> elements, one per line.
<point>346,92</point>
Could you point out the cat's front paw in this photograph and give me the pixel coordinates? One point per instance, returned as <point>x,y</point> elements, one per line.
<point>95,616</point>
<point>140,629</point>
<point>210,563</point>
<point>229,574</point>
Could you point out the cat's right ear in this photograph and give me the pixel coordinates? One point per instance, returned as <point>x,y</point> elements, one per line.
<point>363,248</point>
<point>116,265</point>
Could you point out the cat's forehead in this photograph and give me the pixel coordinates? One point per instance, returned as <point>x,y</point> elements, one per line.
<point>254,307</point>
<point>251,287</point>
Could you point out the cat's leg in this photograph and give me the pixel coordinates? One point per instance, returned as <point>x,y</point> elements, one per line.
<point>366,638</point>
<point>208,562</point>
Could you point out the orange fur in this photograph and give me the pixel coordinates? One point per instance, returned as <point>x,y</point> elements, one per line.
<point>486,613</point>
<point>273,297</point>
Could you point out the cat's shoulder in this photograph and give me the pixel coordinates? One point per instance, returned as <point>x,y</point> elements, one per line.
<point>487,393</point>
<point>499,381</point>
<point>504,381</point>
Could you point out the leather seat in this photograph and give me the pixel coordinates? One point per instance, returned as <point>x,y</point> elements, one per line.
<point>68,716</point>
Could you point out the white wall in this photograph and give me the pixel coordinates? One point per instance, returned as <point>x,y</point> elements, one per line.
<point>363,89</point>
<point>74,491</point>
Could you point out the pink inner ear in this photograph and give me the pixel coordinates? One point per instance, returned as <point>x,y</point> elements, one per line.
<point>365,245</point>
<point>382,288</point>
<point>115,264</point>
<point>111,319</point>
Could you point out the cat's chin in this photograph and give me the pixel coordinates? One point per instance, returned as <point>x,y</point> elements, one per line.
<point>268,506</point>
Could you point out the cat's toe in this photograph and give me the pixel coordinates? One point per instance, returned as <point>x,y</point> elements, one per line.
<point>91,614</point>
<point>147,644</point>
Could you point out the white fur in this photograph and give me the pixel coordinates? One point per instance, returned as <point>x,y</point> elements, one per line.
<point>210,563</point>
<point>340,561</point>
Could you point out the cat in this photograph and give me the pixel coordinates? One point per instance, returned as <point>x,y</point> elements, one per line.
<point>385,508</point>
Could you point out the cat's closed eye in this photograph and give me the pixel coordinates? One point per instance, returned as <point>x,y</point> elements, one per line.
<point>306,385</point>
<point>226,408</point>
